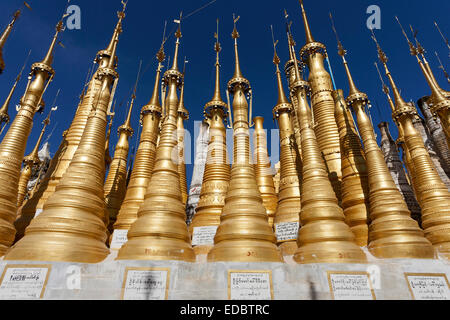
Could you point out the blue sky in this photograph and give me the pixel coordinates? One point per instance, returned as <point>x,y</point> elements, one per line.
<point>142,35</point>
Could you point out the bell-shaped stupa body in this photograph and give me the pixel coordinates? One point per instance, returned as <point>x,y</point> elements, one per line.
<point>263,170</point>
<point>325,127</point>
<point>392,232</point>
<point>244,233</point>
<point>216,178</point>
<point>116,181</point>
<point>12,148</point>
<point>160,231</point>
<point>144,161</point>
<point>355,185</point>
<point>287,217</point>
<point>70,228</point>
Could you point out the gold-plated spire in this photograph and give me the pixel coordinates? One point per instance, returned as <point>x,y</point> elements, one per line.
<point>70,228</point>
<point>4,36</point>
<point>309,37</point>
<point>287,216</point>
<point>13,146</point>
<point>216,178</point>
<point>71,141</point>
<point>313,55</point>
<point>432,194</point>
<point>244,233</point>
<point>160,231</point>
<point>145,156</point>
<point>235,35</point>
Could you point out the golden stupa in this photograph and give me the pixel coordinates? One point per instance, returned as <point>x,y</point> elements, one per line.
<point>216,178</point>
<point>160,231</point>
<point>392,232</point>
<point>432,194</point>
<point>13,146</point>
<point>287,218</point>
<point>325,127</point>
<point>70,228</point>
<point>244,233</point>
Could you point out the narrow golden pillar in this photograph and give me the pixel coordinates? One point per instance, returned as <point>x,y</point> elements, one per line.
<point>244,233</point>
<point>324,236</point>
<point>183,115</point>
<point>13,146</point>
<point>145,157</point>
<point>287,218</point>
<point>325,127</point>
<point>355,184</point>
<point>216,178</point>
<point>432,194</point>
<point>4,36</point>
<point>70,229</point>
<point>115,185</point>
<point>392,232</point>
<point>263,170</point>
<point>160,231</point>
<point>30,161</point>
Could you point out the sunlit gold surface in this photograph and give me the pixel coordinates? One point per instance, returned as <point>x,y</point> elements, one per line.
<point>145,157</point>
<point>216,178</point>
<point>13,146</point>
<point>325,127</point>
<point>355,185</point>
<point>392,232</point>
<point>115,185</point>
<point>70,228</point>
<point>324,236</point>
<point>160,232</point>
<point>432,194</point>
<point>244,233</point>
<point>263,170</point>
<point>289,201</point>
<point>183,115</point>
